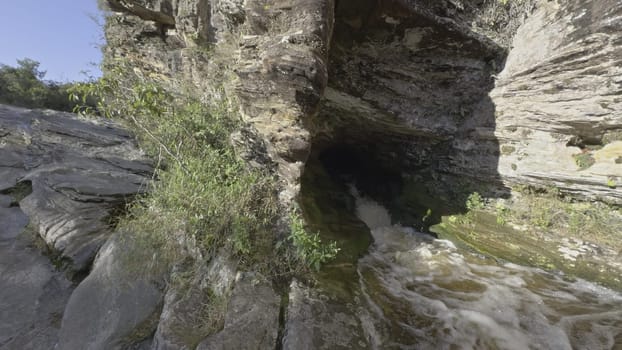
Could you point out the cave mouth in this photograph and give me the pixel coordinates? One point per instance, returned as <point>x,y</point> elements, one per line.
<point>349,166</point>
<point>379,170</point>
<point>406,118</point>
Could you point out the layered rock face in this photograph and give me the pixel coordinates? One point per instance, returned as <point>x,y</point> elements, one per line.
<point>387,88</point>
<point>558,100</point>
<point>277,49</point>
<point>74,174</point>
<point>412,87</point>
<point>62,179</point>
<point>408,84</point>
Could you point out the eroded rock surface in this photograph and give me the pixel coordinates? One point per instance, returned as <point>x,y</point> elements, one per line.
<point>32,292</point>
<point>316,320</point>
<point>252,318</point>
<point>118,305</point>
<point>559,97</point>
<point>80,172</point>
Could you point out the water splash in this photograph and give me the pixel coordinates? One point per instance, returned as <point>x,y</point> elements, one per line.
<point>424,293</point>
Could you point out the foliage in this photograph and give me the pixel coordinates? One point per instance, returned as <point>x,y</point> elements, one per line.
<point>24,86</point>
<point>584,160</point>
<point>502,212</point>
<point>611,182</point>
<point>203,192</point>
<point>309,246</point>
<point>203,189</point>
<point>475,201</point>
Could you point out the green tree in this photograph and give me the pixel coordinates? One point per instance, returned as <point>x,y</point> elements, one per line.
<point>24,86</point>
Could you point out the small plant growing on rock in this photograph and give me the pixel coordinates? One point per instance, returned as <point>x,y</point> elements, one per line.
<point>611,182</point>
<point>502,213</point>
<point>475,202</point>
<point>309,247</point>
<point>584,160</point>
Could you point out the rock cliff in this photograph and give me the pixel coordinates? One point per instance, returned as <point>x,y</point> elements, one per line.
<point>412,84</point>
<point>435,98</point>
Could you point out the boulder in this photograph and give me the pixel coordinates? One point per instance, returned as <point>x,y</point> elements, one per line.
<point>118,304</point>
<point>316,320</point>
<point>252,317</point>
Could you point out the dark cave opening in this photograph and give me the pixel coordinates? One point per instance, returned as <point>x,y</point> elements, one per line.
<point>406,118</point>
<point>348,165</point>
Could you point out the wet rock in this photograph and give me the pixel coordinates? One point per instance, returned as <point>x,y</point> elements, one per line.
<point>252,318</point>
<point>80,172</point>
<point>315,321</point>
<point>119,303</point>
<point>194,304</point>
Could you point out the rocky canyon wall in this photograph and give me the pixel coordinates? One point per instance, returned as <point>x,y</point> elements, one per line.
<point>416,85</point>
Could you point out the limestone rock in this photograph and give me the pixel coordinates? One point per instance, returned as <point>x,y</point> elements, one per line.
<point>81,171</point>
<point>558,98</point>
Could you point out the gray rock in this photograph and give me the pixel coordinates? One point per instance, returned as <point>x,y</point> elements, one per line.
<point>316,321</point>
<point>5,201</point>
<point>194,305</point>
<point>80,170</point>
<point>180,325</point>
<point>119,303</point>
<point>32,292</point>
<point>13,222</point>
<point>252,318</point>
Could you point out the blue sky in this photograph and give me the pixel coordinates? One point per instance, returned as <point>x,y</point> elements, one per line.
<point>57,33</point>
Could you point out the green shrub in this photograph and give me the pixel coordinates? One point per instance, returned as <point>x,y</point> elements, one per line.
<point>611,182</point>
<point>502,212</point>
<point>24,86</point>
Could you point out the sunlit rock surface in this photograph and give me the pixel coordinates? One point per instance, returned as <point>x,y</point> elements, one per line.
<point>74,173</point>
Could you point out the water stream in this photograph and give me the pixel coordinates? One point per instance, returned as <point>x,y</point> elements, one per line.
<point>423,293</point>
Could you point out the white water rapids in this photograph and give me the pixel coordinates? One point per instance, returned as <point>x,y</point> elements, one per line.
<point>424,293</point>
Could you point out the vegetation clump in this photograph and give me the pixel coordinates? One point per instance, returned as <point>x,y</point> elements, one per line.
<point>24,86</point>
<point>309,246</point>
<point>584,160</point>
<point>203,193</point>
<point>475,201</point>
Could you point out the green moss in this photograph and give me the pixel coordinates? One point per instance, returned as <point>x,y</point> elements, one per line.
<point>611,182</point>
<point>584,160</point>
<point>483,235</point>
<point>551,218</point>
<point>507,150</point>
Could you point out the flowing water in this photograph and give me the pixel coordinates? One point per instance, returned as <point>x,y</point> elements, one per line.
<point>423,293</point>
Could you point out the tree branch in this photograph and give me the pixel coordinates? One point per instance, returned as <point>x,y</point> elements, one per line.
<point>134,8</point>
